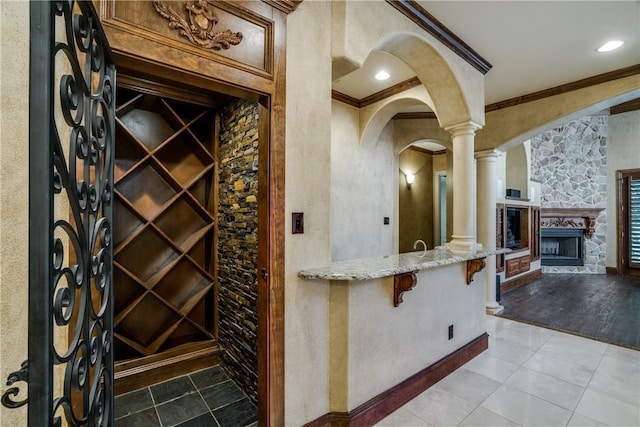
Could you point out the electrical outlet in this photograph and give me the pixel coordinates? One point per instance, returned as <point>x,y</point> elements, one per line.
<point>450,332</point>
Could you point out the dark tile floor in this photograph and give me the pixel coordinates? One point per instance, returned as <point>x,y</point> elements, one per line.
<point>598,306</point>
<point>205,398</point>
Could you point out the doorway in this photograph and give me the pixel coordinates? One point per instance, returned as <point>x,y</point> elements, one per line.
<point>186,253</point>
<point>628,221</point>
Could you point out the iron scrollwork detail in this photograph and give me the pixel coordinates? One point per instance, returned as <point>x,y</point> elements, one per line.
<point>82,143</point>
<point>200,28</point>
<point>14,377</point>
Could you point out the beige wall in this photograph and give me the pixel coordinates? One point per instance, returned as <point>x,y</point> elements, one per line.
<point>382,345</point>
<point>623,152</point>
<point>14,178</point>
<point>308,177</point>
<point>363,189</point>
<point>517,168</point>
<point>415,202</point>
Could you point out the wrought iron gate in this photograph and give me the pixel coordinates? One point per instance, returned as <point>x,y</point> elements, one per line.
<point>71,151</point>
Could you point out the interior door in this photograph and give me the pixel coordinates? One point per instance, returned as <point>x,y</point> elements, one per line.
<point>71,136</point>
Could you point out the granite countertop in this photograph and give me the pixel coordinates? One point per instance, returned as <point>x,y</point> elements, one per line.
<point>390,265</point>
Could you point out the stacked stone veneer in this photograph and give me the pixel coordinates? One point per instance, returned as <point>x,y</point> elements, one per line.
<point>570,162</point>
<point>238,244</point>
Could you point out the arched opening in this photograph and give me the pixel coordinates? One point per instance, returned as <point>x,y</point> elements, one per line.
<point>422,195</point>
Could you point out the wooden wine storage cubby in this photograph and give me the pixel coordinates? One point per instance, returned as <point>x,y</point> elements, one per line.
<point>165,210</point>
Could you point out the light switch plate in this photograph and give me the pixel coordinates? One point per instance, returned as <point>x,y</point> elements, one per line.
<point>297,222</point>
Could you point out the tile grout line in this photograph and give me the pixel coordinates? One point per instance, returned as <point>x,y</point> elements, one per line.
<point>155,407</point>
<point>587,386</point>
<point>215,420</point>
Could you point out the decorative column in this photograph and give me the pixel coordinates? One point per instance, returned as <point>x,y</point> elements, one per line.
<point>463,238</point>
<point>486,161</point>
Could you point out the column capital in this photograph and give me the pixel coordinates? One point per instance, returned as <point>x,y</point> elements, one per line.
<point>488,154</point>
<point>465,128</point>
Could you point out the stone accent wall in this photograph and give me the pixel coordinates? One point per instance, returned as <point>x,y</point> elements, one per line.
<point>238,244</point>
<point>570,162</point>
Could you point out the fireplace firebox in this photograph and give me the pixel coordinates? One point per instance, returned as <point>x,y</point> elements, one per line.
<point>561,246</point>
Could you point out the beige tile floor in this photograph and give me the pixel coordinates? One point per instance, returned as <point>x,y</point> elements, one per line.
<point>532,376</point>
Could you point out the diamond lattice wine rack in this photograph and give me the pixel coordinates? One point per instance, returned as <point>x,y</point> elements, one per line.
<point>165,229</point>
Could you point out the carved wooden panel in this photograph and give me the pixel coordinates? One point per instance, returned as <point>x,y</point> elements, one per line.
<point>221,31</point>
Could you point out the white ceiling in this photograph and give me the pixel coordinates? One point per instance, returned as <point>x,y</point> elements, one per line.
<point>532,45</point>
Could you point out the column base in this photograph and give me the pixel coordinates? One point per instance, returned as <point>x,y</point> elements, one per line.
<point>463,245</point>
<point>493,310</point>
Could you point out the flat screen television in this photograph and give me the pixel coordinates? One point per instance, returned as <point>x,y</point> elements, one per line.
<point>517,228</point>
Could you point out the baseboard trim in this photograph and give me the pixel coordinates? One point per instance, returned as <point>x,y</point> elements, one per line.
<point>135,377</point>
<point>612,271</point>
<point>388,401</point>
<point>521,280</point>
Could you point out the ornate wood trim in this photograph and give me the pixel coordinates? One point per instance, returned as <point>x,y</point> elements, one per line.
<point>212,71</point>
<point>378,96</point>
<point>566,218</point>
<point>412,10</point>
<point>200,28</point>
<point>402,283</point>
<point>390,400</point>
<point>578,84</point>
<point>474,266</point>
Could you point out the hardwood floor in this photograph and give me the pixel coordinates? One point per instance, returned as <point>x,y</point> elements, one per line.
<point>602,307</point>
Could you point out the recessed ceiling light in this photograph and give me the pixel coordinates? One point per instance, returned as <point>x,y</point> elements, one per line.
<point>382,75</point>
<point>611,45</point>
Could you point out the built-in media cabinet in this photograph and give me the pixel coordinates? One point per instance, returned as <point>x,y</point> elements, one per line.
<point>518,229</point>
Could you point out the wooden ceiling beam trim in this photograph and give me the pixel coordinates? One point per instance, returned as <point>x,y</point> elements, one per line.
<point>416,13</point>
<point>625,107</point>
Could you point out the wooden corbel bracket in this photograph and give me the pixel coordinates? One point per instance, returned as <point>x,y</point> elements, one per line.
<point>402,283</point>
<point>473,266</point>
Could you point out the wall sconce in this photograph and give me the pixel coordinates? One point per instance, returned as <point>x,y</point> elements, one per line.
<point>410,178</point>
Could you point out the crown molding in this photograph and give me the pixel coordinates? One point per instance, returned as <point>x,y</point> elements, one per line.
<point>545,93</point>
<point>625,107</point>
<point>415,115</point>
<point>425,151</point>
<point>378,96</point>
<point>286,6</point>
<point>412,10</point>
<point>346,99</point>
<point>568,87</point>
